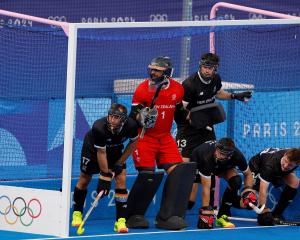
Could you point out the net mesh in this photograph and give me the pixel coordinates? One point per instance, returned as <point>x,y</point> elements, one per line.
<point>32,92</point>
<point>111,62</point>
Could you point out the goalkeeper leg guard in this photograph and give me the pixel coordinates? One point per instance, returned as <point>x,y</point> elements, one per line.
<point>140,197</point>
<point>286,197</point>
<point>175,197</point>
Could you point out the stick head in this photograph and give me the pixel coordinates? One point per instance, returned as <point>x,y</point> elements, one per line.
<point>80,230</point>
<point>256,209</point>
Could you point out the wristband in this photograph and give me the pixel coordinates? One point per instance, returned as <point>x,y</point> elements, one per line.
<point>107,174</point>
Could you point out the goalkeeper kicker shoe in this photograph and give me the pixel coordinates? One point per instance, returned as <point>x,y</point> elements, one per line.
<point>76,219</point>
<point>120,226</point>
<point>224,222</point>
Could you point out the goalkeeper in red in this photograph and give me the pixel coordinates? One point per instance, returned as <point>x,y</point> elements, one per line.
<point>153,106</point>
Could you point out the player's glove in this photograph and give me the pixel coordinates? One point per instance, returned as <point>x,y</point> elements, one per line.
<point>248,196</point>
<point>242,96</point>
<point>148,117</point>
<point>206,218</point>
<point>265,218</point>
<point>118,168</point>
<point>103,184</point>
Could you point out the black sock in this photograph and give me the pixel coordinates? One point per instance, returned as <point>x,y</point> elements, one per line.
<point>286,197</point>
<point>228,198</point>
<point>212,191</point>
<point>79,198</point>
<point>121,202</point>
<point>190,205</point>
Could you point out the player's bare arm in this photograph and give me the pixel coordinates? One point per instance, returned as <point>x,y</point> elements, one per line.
<point>224,95</point>
<point>206,183</point>
<point>127,152</point>
<point>263,190</point>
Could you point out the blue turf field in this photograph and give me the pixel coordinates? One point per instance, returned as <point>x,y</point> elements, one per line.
<point>103,230</point>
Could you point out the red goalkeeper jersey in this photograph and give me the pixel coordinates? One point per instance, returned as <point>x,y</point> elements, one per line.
<point>167,100</point>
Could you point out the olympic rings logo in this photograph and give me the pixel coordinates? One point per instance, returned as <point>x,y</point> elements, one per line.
<point>19,209</point>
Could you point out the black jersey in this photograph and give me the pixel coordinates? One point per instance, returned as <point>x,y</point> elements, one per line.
<point>100,137</point>
<point>197,92</point>
<point>268,164</point>
<point>208,165</point>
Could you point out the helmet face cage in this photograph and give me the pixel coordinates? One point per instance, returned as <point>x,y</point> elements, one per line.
<point>163,64</point>
<point>227,151</point>
<point>209,60</point>
<point>120,112</point>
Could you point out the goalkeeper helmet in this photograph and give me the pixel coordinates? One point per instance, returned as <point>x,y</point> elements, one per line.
<point>208,60</point>
<point>116,118</point>
<point>226,148</point>
<point>160,64</point>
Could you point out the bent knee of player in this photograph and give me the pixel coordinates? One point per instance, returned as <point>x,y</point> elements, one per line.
<point>292,180</point>
<point>186,159</point>
<point>121,178</point>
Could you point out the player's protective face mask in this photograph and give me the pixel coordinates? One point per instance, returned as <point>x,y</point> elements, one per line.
<point>157,76</point>
<point>115,123</point>
<point>207,71</point>
<point>222,156</point>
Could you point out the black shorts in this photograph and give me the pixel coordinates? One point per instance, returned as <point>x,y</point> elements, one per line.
<point>189,138</point>
<point>88,161</point>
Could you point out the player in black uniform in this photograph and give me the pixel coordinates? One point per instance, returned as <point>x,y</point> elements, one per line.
<point>276,166</point>
<point>102,152</point>
<point>199,112</point>
<point>221,158</point>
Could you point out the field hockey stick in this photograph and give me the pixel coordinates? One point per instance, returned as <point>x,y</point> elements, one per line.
<point>254,208</point>
<point>80,229</point>
<point>257,209</point>
<point>286,222</point>
<point>276,221</point>
<point>159,87</point>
